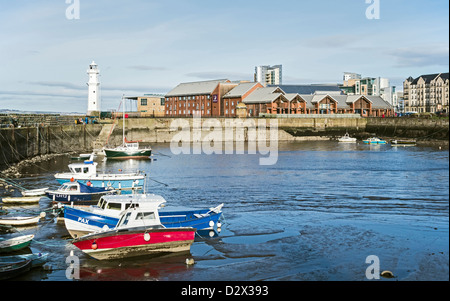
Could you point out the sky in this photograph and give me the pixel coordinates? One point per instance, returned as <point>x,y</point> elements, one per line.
<point>150,46</point>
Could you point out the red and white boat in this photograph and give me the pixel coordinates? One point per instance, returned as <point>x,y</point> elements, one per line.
<point>139,232</point>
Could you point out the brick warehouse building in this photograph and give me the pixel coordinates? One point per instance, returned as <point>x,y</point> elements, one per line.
<point>204,98</point>
<point>219,98</point>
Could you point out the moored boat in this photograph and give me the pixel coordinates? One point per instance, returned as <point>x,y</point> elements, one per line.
<point>34,192</point>
<point>87,172</point>
<point>80,221</point>
<point>403,142</point>
<point>19,220</point>
<point>78,193</point>
<point>15,243</point>
<point>24,200</point>
<point>139,232</point>
<point>347,138</point>
<point>14,269</point>
<point>128,149</point>
<point>37,259</point>
<point>374,140</point>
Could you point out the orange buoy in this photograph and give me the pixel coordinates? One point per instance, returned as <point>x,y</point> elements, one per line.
<point>72,179</point>
<point>94,246</point>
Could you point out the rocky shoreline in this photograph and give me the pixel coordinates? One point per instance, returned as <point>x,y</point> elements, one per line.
<point>14,171</point>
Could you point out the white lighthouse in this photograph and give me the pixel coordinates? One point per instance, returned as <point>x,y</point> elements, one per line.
<point>94,89</point>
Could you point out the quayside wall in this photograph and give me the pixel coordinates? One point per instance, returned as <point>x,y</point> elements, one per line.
<point>17,144</point>
<point>156,130</point>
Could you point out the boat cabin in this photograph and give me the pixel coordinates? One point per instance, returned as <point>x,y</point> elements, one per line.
<point>69,186</point>
<point>134,217</point>
<point>120,203</point>
<point>87,168</point>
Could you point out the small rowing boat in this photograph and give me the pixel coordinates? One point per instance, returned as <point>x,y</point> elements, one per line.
<point>22,200</point>
<point>16,243</point>
<point>19,220</point>
<point>37,259</point>
<point>34,192</point>
<point>14,269</point>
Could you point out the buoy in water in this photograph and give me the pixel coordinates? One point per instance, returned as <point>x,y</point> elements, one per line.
<point>42,215</point>
<point>190,261</point>
<point>387,274</point>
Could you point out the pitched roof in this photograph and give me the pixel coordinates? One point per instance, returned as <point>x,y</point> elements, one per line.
<point>265,95</point>
<point>310,89</point>
<point>196,88</point>
<point>240,90</point>
<point>429,77</point>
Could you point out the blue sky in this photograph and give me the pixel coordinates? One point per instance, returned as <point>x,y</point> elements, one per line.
<point>145,46</point>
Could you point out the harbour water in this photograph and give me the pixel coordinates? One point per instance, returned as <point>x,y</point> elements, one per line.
<point>317,214</point>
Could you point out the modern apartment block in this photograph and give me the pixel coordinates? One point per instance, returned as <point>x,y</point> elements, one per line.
<point>427,93</point>
<point>269,75</point>
<point>354,84</point>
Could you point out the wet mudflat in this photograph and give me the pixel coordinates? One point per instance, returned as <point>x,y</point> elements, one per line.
<point>314,215</point>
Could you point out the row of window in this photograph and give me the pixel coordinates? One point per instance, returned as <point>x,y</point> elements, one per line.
<point>201,97</point>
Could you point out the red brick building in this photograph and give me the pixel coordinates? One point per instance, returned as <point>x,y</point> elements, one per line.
<point>204,98</point>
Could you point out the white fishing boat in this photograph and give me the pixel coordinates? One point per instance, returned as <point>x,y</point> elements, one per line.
<point>347,138</point>
<point>87,172</point>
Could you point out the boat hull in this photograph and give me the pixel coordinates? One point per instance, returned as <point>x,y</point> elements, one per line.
<point>11,270</point>
<point>374,142</point>
<point>137,242</point>
<point>22,200</point>
<point>19,221</point>
<point>15,244</point>
<point>130,154</point>
<point>81,222</point>
<point>79,199</point>
<point>135,182</point>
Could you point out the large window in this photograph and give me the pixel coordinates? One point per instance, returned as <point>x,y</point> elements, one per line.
<point>143,101</point>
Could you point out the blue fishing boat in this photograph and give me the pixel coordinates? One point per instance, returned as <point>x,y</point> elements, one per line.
<point>78,193</point>
<point>374,140</point>
<point>105,215</point>
<point>87,172</point>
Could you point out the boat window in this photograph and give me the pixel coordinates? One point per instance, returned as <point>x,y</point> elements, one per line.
<point>78,170</point>
<point>125,219</point>
<point>114,206</point>
<point>86,170</point>
<point>145,216</point>
<point>131,205</point>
